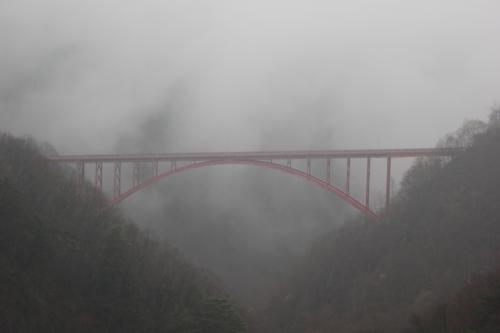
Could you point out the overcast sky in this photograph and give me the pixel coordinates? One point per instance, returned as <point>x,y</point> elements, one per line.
<point>95,76</point>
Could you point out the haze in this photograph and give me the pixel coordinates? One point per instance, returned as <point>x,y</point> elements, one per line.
<point>227,75</point>
<point>239,75</point>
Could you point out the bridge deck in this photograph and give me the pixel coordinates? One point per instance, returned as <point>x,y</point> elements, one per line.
<point>260,155</point>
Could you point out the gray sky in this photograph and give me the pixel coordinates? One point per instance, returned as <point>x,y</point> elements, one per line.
<point>238,75</point>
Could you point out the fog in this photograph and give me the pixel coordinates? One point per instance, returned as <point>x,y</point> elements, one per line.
<point>185,76</point>
<point>239,75</point>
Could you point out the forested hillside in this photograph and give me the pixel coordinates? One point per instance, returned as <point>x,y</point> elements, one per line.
<point>404,273</point>
<point>67,266</point>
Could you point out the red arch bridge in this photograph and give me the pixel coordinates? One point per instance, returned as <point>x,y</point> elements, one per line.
<point>277,160</point>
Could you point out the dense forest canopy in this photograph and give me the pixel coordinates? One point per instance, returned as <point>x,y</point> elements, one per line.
<point>442,230</point>
<point>66,265</point>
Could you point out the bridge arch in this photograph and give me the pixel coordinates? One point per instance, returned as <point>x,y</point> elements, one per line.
<point>259,163</point>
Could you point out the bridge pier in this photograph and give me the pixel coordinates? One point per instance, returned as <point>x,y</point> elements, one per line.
<point>80,178</point>
<point>98,177</point>
<point>135,174</point>
<point>117,179</point>
<point>367,190</point>
<point>388,184</point>
<point>154,168</point>
<point>329,171</point>
<point>348,175</point>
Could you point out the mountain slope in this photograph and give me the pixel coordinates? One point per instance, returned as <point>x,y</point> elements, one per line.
<point>65,265</point>
<point>443,227</point>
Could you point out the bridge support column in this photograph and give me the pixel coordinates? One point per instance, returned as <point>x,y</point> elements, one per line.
<point>388,184</point>
<point>117,178</point>
<point>367,194</point>
<point>308,167</point>
<point>98,177</point>
<point>328,171</point>
<point>348,175</point>
<point>135,175</point>
<point>80,178</point>
<point>154,168</point>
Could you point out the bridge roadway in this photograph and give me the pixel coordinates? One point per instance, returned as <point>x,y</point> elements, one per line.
<point>261,155</point>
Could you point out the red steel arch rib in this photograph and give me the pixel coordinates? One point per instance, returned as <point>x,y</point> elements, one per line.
<point>259,163</point>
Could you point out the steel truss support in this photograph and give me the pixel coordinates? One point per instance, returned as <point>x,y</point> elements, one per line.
<point>80,174</point>
<point>154,168</point>
<point>348,175</point>
<point>98,177</point>
<point>367,190</point>
<point>80,178</point>
<point>388,184</point>
<point>329,171</point>
<point>117,179</point>
<point>135,175</point>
